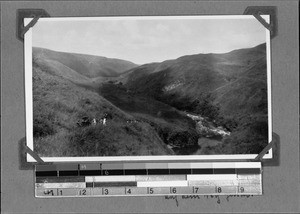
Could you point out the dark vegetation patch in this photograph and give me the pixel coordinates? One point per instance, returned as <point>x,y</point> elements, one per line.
<point>136,103</point>
<point>115,139</point>
<point>176,137</point>
<point>250,137</point>
<point>43,124</point>
<point>172,126</point>
<point>201,105</point>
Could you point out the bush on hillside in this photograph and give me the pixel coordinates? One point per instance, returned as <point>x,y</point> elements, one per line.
<point>228,122</point>
<point>90,141</point>
<point>180,138</point>
<point>183,139</point>
<point>203,105</point>
<point>250,137</point>
<point>42,126</point>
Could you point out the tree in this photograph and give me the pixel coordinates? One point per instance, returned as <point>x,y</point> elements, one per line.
<point>205,107</point>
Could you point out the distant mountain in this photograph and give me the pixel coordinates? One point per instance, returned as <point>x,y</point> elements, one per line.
<point>229,89</point>
<point>86,65</point>
<point>231,78</point>
<point>247,93</point>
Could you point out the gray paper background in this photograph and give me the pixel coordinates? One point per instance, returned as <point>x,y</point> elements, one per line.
<point>280,183</point>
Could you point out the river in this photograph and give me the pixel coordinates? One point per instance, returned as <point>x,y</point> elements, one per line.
<point>211,137</point>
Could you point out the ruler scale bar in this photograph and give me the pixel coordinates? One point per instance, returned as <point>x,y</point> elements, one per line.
<point>115,184</point>
<point>162,183</point>
<point>248,171</point>
<point>224,171</point>
<point>202,171</point>
<point>60,179</point>
<point>111,178</point>
<point>46,173</point>
<point>158,171</point>
<point>61,185</point>
<point>160,178</point>
<point>135,172</point>
<point>191,168</point>
<point>212,177</point>
<point>90,172</point>
<point>140,179</point>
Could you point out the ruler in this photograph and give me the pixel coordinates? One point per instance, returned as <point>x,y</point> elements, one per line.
<point>148,179</point>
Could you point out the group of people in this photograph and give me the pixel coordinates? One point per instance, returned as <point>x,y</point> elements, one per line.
<point>86,121</point>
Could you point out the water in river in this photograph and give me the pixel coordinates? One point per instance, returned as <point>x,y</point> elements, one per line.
<point>207,142</point>
<point>204,147</point>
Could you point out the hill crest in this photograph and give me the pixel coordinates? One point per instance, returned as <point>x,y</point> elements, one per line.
<point>87,65</point>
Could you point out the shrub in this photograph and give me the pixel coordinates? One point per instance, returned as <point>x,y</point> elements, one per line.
<point>203,105</point>
<point>42,127</point>
<point>184,138</point>
<point>250,137</point>
<point>230,123</point>
<point>95,140</point>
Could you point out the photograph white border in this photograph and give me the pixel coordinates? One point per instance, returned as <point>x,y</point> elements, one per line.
<point>29,100</point>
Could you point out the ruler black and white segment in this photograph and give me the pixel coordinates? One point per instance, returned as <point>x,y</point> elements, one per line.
<point>140,179</point>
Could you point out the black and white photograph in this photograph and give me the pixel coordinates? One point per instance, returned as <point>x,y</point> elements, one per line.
<point>148,87</point>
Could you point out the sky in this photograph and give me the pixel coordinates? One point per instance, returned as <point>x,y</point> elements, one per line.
<point>146,40</point>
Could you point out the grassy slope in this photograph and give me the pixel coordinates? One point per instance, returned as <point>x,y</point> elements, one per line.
<point>236,81</point>
<point>196,73</point>
<point>173,126</point>
<point>247,94</point>
<point>245,101</point>
<point>195,76</point>
<point>59,104</point>
<point>86,65</point>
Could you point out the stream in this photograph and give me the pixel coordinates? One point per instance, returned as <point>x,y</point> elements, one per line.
<point>211,136</point>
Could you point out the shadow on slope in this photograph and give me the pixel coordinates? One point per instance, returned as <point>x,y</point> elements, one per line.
<point>173,126</point>
<point>58,105</point>
<point>230,89</point>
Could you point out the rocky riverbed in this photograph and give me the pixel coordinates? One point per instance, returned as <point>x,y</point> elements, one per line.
<point>206,128</point>
<point>211,136</point>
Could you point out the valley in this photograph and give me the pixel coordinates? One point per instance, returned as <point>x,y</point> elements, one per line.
<point>194,105</point>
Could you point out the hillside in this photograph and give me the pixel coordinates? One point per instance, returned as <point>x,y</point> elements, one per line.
<point>247,93</point>
<point>189,77</point>
<point>174,127</point>
<point>229,89</point>
<point>86,65</point>
<point>59,105</point>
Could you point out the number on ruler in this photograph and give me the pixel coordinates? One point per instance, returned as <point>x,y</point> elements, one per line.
<point>105,191</point>
<point>151,191</point>
<point>219,189</point>
<point>195,189</point>
<point>106,172</point>
<point>48,192</point>
<point>128,191</point>
<point>82,192</point>
<point>173,190</point>
<point>59,192</point>
<point>242,189</point>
